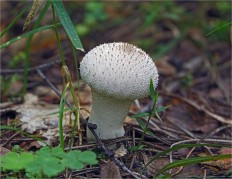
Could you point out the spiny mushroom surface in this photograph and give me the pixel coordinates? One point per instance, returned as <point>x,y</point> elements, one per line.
<point>118,73</point>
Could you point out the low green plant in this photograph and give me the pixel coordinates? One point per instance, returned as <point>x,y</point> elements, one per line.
<point>94,14</point>
<point>6,83</point>
<point>154,111</point>
<point>46,162</point>
<point>187,80</point>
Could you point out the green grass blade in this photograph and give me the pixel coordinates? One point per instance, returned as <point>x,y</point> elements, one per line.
<point>161,109</point>
<point>61,115</point>
<point>154,95</point>
<point>219,28</point>
<point>67,24</point>
<point>12,23</point>
<point>144,114</point>
<point>181,146</point>
<point>27,35</point>
<point>22,132</point>
<point>194,160</point>
<point>164,49</point>
<point>28,48</point>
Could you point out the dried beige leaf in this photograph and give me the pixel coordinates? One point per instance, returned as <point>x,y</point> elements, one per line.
<point>110,170</point>
<point>120,152</point>
<point>155,166</point>
<point>37,4</point>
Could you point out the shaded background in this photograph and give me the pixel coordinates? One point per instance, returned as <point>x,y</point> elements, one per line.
<point>189,41</point>
<point>173,33</point>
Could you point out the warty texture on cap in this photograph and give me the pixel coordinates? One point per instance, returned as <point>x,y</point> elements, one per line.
<point>120,70</point>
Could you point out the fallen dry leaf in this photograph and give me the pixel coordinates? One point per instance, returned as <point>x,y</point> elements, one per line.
<point>155,166</point>
<point>164,67</point>
<point>219,165</point>
<point>3,151</point>
<point>120,152</point>
<point>110,170</point>
<point>41,117</point>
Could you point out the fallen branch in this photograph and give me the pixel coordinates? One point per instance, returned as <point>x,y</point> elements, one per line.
<point>110,154</point>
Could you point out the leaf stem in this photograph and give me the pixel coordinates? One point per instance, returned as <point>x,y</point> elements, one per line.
<point>57,36</point>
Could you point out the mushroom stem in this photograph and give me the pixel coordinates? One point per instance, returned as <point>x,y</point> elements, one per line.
<point>109,114</point>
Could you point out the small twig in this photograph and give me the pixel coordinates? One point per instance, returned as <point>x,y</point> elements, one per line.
<point>133,160</point>
<point>32,69</point>
<point>204,174</point>
<point>110,154</point>
<point>8,140</point>
<point>84,171</point>
<point>41,74</point>
<point>52,61</point>
<point>188,155</point>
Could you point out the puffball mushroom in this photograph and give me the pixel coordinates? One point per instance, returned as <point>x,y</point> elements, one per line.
<point>118,73</point>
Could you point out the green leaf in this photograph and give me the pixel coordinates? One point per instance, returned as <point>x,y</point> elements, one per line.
<point>136,148</point>
<point>57,152</point>
<point>73,154</point>
<point>27,35</point>
<point>75,165</point>
<point>88,157</point>
<point>33,169</point>
<point>154,95</point>
<point>161,109</point>
<point>165,48</point>
<point>61,115</point>
<point>26,158</point>
<point>50,166</point>
<point>10,161</point>
<point>219,28</point>
<point>12,23</point>
<point>144,114</point>
<point>67,24</point>
<point>193,160</point>
<point>141,124</point>
<point>71,160</point>
<point>15,161</point>
<point>44,152</point>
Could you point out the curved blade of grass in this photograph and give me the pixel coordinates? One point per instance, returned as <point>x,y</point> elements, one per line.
<point>163,49</point>
<point>12,23</point>
<point>181,146</point>
<point>27,35</point>
<point>138,115</point>
<point>194,160</point>
<point>22,132</point>
<point>28,48</point>
<point>218,28</point>
<point>154,95</point>
<point>61,115</point>
<point>67,24</point>
<point>144,114</point>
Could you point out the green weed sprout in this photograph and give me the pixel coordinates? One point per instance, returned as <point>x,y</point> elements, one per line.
<point>154,111</point>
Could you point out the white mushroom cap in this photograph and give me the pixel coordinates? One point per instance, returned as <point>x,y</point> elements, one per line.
<point>120,70</point>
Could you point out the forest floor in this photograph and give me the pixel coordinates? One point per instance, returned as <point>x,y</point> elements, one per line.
<point>194,67</point>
